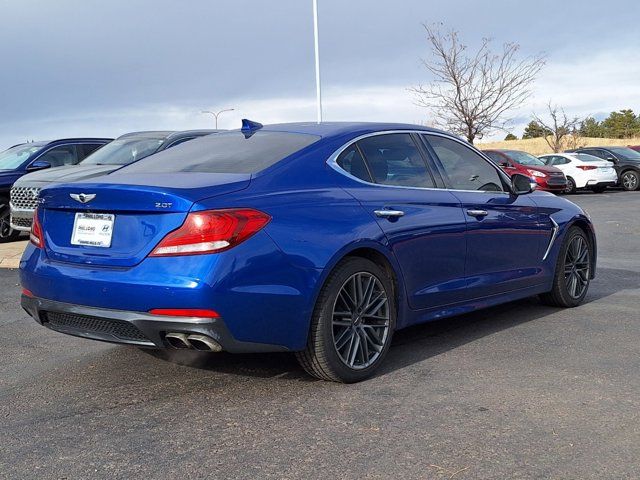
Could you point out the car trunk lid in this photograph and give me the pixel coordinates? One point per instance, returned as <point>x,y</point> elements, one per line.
<point>144,208</point>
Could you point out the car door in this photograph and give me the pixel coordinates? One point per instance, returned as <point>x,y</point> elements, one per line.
<point>424,226</point>
<point>505,237</point>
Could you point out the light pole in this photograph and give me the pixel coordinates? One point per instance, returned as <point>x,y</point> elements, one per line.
<point>217,114</point>
<point>317,58</point>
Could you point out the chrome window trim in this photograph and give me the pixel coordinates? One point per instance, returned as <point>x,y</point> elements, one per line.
<point>554,234</point>
<point>332,161</point>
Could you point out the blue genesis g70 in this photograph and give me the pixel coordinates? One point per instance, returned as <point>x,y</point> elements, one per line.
<point>319,239</point>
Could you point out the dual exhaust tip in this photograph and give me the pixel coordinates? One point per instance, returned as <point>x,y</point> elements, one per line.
<point>193,341</point>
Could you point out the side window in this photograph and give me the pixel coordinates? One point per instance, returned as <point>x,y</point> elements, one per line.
<point>596,153</point>
<point>465,169</point>
<point>549,160</point>
<point>352,162</point>
<point>561,161</point>
<point>59,156</point>
<point>394,159</point>
<point>87,149</point>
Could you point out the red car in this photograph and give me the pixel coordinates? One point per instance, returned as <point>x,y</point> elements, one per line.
<point>634,147</point>
<point>548,178</point>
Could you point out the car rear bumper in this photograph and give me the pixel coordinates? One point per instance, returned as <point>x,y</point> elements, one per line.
<point>133,328</point>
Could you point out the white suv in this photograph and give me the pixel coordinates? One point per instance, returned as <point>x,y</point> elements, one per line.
<point>583,171</point>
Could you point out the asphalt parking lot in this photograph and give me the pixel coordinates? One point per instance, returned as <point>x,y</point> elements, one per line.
<point>517,391</point>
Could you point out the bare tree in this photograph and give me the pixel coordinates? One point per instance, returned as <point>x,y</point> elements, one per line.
<point>562,128</point>
<point>472,92</point>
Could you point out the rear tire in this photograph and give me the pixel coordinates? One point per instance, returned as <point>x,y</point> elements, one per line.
<point>573,271</point>
<point>352,324</point>
<point>7,234</point>
<point>630,180</point>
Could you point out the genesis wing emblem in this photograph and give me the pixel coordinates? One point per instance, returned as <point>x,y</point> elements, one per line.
<point>82,197</point>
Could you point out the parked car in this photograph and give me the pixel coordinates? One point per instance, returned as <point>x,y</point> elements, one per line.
<point>634,147</point>
<point>583,171</point>
<point>319,239</point>
<point>625,160</point>
<point>515,161</point>
<point>122,151</point>
<point>29,157</point>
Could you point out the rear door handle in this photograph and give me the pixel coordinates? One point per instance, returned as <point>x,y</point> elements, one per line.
<point>477,213</point>
<point>388,213</point>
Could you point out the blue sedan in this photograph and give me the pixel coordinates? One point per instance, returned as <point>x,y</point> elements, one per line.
<point>319,239</point>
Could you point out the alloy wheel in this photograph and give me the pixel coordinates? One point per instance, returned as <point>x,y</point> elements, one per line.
<point>577,266</point>
<point>360,320</point>
<point>630,181</point>
<point>570,186</point>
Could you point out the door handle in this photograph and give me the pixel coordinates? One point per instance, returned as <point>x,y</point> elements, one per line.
<point>388,213</point>
<point>477,213</point>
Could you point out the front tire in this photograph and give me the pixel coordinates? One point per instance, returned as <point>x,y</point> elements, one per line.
<point>7,234</point>
<point>573,271</point>
<point>571,186</point>
<point>630,180</point>
<point>352,325</point>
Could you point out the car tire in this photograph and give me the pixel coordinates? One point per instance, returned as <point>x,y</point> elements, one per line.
<point>344,344</point>
<point>598,189</point>
<point>7,234</point>
<point>571,186</point>
<point>569,289</point>
<point>630,180</point>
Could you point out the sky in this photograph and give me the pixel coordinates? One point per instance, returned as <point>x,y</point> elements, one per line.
<point>107,67</point>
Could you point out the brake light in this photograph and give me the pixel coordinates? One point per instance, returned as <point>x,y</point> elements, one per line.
<point>587,167</point>
<point>211,231</point>
<point>35,236</point>
<point>185,312</point>
<point>27,293</point>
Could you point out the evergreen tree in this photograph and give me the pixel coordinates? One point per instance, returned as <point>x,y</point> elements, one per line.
<point>590,127</point>
<point>622,124</point>
<point>510,136</point>
<point>535,130</point>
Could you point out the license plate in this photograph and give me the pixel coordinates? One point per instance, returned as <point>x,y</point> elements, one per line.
<point>93,229</point>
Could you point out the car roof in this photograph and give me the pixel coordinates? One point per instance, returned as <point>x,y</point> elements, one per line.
<point>191,133</point>
<point>148,134</point>
<point>331,129</point>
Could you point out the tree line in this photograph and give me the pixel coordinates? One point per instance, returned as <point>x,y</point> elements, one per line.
<point>621,124</point>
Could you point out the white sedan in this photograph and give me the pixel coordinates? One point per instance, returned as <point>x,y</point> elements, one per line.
<point>583,171</point>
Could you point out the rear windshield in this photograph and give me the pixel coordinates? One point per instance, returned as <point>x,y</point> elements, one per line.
<point>524,158</point>
<point>228,152</point>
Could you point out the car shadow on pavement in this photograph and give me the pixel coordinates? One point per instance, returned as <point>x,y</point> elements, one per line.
<point>410,345</point>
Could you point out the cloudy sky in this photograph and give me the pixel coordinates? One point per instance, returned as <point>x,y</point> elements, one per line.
<point>105,67</point>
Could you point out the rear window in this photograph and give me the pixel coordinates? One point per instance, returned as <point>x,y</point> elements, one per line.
<point>585,157</point>
<point>228,152</point>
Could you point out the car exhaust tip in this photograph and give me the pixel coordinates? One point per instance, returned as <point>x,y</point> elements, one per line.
<point>204,343</point>
<point>178,340</point>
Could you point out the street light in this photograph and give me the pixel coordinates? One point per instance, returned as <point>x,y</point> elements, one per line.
<point>217,114</point>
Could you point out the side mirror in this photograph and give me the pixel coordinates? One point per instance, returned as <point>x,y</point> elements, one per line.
<point>38,165</point>
<point>521,184</point>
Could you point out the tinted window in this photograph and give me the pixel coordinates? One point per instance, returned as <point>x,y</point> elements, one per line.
<point>598,153</point>
<point>87,149</point>
<point>180,140</point>
<point>626,153</point>
<point>124,151</point>
<point>394,159</point>
<point>586,157</point>
<point>228,152</point>
<point>496,157</point>
<point>465,169</point>
<point>59,156</point>
<point>352,162</point>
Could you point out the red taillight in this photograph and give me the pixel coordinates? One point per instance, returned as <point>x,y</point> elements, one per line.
<point>35,236</point>
<point>185,312</point>
<point>27,293</point>
<point>211,231</point>
<point>587,167</point>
